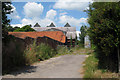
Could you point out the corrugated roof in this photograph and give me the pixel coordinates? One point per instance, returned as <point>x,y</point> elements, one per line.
<point>37,25</point>
<point>67,29</point>
<point>70,31</point>
<point>67,25</point>
<point>52,25</point>
<point>56,35</point>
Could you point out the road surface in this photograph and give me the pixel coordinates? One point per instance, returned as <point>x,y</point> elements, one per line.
<point>66,66</point>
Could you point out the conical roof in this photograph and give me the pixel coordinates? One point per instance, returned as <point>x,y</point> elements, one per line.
<point>52,25</point>
<point>37,25</point>
<point>67,25</point>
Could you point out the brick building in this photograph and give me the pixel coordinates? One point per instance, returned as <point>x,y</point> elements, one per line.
<point>69,32</point>
<point>53,38</point>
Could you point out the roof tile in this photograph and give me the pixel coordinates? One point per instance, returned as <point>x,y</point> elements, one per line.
<point>56,35</point>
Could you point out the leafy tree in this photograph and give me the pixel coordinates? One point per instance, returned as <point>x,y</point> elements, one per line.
<point>6,9</point>
<point>76,41</point>
<point>16,27</point>
<point>104,31</point>
<point>10,29</point>
<point>26,28</point>
<point>83,34</point>
<point>71,41</point>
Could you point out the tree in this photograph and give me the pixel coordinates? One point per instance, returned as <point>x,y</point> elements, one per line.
<point>104,32</point>
<point>26,28</point>
<point>16,27</point>
<point>76,41</point>
<point>6,9</point>
<point>10,29</point>
<point>71,41</point>
<point>83,34</point>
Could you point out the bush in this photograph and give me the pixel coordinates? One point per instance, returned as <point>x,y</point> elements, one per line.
<point>44,51</point>
<point>40,52</point>
<point>63,50</point>
<point>30,53</point>
<point>90,67</point>
<point>104,33</point>
<point>92,71</point>
<point>12,54</point>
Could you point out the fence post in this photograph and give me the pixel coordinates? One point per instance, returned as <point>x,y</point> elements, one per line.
<point>0,39</point>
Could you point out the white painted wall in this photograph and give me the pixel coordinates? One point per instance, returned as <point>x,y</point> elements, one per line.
<point>87,43</point>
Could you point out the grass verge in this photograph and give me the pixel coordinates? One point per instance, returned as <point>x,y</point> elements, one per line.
<point>63,50</point>
<point>91,69</point>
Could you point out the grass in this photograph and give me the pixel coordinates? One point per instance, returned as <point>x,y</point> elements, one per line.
<point>91,69</point>
<point>63,50</point>
<point>34,53</point>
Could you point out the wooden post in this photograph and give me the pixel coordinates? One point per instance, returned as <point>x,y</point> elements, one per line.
<point>0,39</point>
<point>118,60</point>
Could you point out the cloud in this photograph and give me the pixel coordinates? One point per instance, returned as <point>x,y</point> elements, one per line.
<point>32,13</point>
<point>78,33</point>
<point>43,22</point>
<point>64,13</point>
<point>14,15</point>
<point>51,14</point>
<point>72,4</point>
<point>32,9</point>
<point>71,20</point>
<point>18,25</point>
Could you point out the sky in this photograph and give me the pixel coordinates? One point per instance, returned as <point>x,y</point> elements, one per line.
<point>25,13</point>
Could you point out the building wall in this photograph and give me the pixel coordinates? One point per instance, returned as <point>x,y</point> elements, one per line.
<point>87,42</point>
<point>66,29</point>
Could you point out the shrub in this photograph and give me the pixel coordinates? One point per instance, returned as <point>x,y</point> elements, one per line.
<point>12,54</point>
<point>90,67</point>
<point>63,50</point>
<point>104,33</point>
<point>44,51</point>
<point>40,52</point>
<point>30,53</point>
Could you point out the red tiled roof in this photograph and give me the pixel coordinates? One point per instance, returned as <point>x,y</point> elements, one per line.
<point>56,35</point>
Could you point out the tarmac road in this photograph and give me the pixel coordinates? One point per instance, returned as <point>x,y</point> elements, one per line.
<point>66,66</point>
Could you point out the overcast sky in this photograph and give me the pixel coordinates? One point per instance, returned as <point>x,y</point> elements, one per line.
<point>46,12</point>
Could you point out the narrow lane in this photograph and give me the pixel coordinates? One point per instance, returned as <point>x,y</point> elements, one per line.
<point>66,66</point>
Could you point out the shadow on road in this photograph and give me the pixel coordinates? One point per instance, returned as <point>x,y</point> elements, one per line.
<point>26,69</point>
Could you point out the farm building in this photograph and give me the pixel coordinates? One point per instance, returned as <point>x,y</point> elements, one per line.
<point>51,35</point>
<point>52,38</point>
<point>69,32</point>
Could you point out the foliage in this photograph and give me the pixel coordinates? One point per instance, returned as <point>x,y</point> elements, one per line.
<point>83,31</point>
<point>12,54</point>
<point>10,29</point>
<point>71,42</point>
<point>26,28</point>
<point>90,66</point>
<point>6,9</point>
<point>44,51</point>
<point>16,27</point>
<point>35,52</point>
<point>92,71</point>
<point>76,41</point>
<point>30,53</point>
<point>104,31</point>
<point>62,50</point>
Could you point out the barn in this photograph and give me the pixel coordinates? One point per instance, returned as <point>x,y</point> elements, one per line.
<point>69,32</point>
